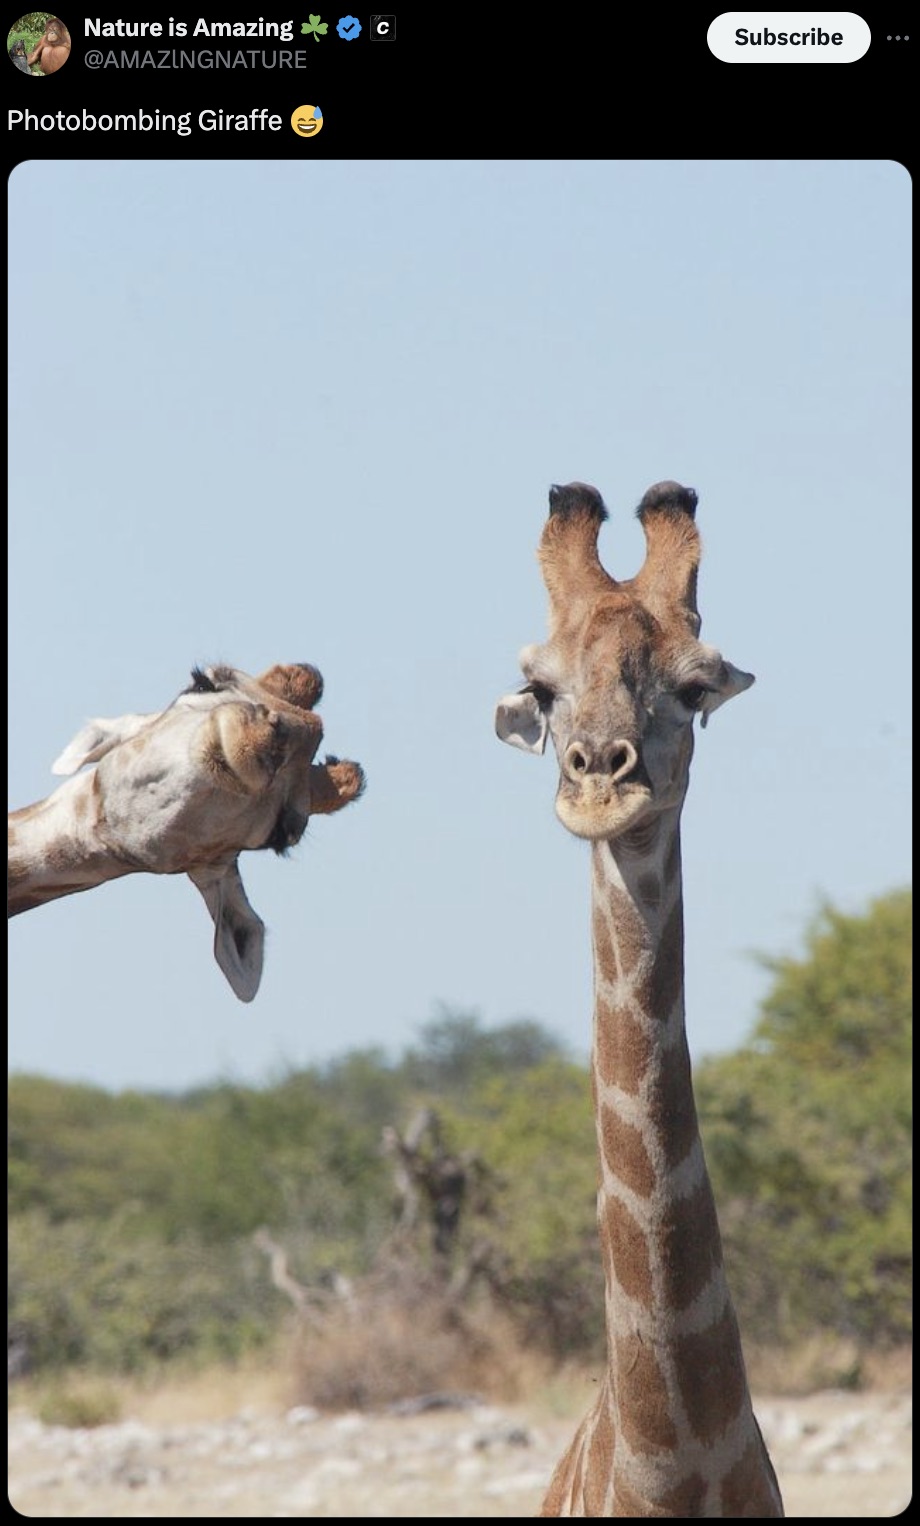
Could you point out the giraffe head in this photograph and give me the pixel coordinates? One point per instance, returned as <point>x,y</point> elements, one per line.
<point>623,673</point>
<point>229,765</point>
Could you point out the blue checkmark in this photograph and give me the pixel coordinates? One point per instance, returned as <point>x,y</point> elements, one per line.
<point>348,28</point>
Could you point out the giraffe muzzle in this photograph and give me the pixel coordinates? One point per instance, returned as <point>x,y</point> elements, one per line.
<point>603,789</point>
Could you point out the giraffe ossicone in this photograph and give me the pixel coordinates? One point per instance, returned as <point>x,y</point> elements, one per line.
<point>616,687</point>
<point>228,766</point>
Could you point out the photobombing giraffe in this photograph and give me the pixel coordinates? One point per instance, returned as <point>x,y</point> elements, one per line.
<point>228,766</point>
<point>616,687</point>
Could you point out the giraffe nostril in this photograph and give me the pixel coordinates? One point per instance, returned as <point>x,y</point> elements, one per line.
<point>623,759</point>
<point>577,760</point>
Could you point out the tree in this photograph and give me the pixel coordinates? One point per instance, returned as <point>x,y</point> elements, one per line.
<point>808,1134</point>
<point>456,1052</point>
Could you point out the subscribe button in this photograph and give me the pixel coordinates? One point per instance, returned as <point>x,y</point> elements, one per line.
<point>788,37</point>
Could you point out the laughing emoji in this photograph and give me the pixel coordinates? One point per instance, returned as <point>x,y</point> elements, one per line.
<point>307,121</point>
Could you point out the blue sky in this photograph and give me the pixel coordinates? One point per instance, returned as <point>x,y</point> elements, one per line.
<point>280,412</point>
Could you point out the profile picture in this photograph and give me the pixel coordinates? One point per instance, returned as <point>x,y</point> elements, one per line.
<point>38,43</point>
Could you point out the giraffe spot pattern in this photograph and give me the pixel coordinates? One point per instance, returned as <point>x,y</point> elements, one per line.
<point>658,988</point>
<point>746,1488</point>
<point>603,948</point>
<point>632,937</point>
<point>691,1249</point>
<point>671,1109</point>
<point>575,1491</point>
<point>629,1502</point>
<point>622,1049</point>
<point>643,1402</point>
<point>684,1502</point>
<point>607,1254</point>
<point>625,1153</point>
<point>710,1375</point>
<point>600,1463</point>
<point>564,1490</point>
<point>629,1252</point>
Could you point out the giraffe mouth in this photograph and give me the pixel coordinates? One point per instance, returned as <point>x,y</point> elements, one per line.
<point>598,809</point>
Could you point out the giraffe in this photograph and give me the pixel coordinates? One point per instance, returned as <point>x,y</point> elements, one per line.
<point>227,766</point>
<point>616,687</point>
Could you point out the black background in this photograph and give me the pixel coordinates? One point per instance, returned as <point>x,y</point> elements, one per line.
<point>490,83</point>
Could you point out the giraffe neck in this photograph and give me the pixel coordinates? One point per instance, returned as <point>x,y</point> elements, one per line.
<point>57,847</point>
<point>673,1432</point>
<point>658,1225</point>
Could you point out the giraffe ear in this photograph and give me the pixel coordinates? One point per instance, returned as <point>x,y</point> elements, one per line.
<point>520,722</point>
<point>733,681</point>
<point>96,739</point>
<point>239,935</point>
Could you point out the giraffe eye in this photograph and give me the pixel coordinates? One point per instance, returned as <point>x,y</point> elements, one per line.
<point>543,696</point>
<point>201,683</point>
<point>692,695</point>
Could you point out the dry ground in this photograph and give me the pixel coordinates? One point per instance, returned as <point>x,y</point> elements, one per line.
<point>238,1450</point>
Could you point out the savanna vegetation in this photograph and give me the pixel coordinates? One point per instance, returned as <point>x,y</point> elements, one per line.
<point>453,1187</point>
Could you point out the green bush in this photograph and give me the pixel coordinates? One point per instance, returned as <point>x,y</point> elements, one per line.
<point>808,1136</point>
<point>113,1298</point>
<point>132,1215</point>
